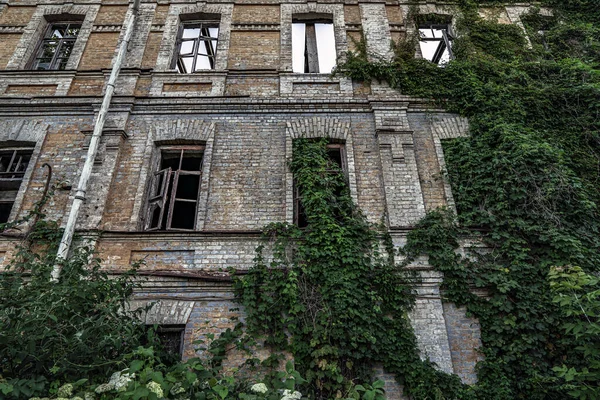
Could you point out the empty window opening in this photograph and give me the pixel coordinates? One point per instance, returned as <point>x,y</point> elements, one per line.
<point>171,339</point>
<point>435,42</point>
<point>313,46</point>
<point>13,164</point>
<point>175,188</point>
<point>336,154</point>
<point>197,46</point>
<point>56,46</point>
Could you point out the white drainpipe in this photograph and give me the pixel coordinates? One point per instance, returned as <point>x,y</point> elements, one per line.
<point>65,243</point>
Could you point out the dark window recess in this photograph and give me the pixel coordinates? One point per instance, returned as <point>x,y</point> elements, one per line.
<point>174,189</point>
<point>435,42</point>
<point>171,339</point>
<point>56,47</point>
<point>13,164</point>
<point>196,46</point>
<point>336,153</point>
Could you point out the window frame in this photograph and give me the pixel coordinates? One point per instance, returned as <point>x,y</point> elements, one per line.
<point>12,180</point>
<point>297,205</point>
<point>311,41</point>
<point>170,179</point>
<point>46,37</point>
<point>177,56</point>
<point>446,40</point>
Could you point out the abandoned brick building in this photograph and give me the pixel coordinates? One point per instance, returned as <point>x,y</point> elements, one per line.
<point>208,101</point>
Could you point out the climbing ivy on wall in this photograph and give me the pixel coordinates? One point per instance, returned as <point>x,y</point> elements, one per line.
<point>525,183</point>
<point>331,294</point>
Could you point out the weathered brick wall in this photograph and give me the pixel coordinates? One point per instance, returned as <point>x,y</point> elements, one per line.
<point>245,112</point>
<point>465,339</point>
<point>8,43</point>
<point>13,19</point>
<point>254,49</point>
<point>99,51</point>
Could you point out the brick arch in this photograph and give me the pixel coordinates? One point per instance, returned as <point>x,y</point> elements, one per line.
<point>317,127</point>
<point>182,129</point>
<point>449,126</point>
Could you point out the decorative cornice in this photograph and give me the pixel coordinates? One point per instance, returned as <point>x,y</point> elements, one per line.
<point>107,28</point>
<point>255,27</point>
<point>11,29</point>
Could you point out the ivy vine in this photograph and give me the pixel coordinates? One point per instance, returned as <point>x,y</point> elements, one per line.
<point>526,179</point>
<point>331,294</point>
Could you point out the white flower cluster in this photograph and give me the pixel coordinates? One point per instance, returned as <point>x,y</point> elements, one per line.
<point>289,395</point>
<point>118,381</point>
<point>155,388</point>
<point>65,390</point>
<point>259,388</point>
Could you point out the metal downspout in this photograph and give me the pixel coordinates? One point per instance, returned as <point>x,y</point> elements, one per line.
<point>65,243</point>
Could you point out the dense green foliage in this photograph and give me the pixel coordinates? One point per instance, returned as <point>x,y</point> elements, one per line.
<point>62,331</point>
<point>331,294</point>
<point>526,179</point>
<point>578,295</point>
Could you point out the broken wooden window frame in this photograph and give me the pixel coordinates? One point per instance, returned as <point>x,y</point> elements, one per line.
<point>164,188</point>
<point>341,160</point>
<point>444,41</point>
<point>14,162</point>
<point>56,49</point>
<point>202,46</point>
<point>311,63</point>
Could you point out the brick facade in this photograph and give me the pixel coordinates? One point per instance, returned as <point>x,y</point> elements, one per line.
<point>246,113</point>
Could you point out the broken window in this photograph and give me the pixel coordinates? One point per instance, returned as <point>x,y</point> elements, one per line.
<point>336,153</point>
<point>13,164</point>
<point>175,188</point>
<point>196,46</point>
<point>171,339</point>
<point>435,42</point>
<point>313,45</point>
<point>56,46</point>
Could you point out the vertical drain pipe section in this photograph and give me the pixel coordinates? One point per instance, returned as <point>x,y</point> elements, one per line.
<point>65,243</point>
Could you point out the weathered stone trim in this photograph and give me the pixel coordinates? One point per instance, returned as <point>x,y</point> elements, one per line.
<point>319,84</point>
<point>255,27</point>
<point>11,29</point>
<point>449,126</point>
<point>376,31</point>
<point>163,312</point>
<point>216,80</point>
